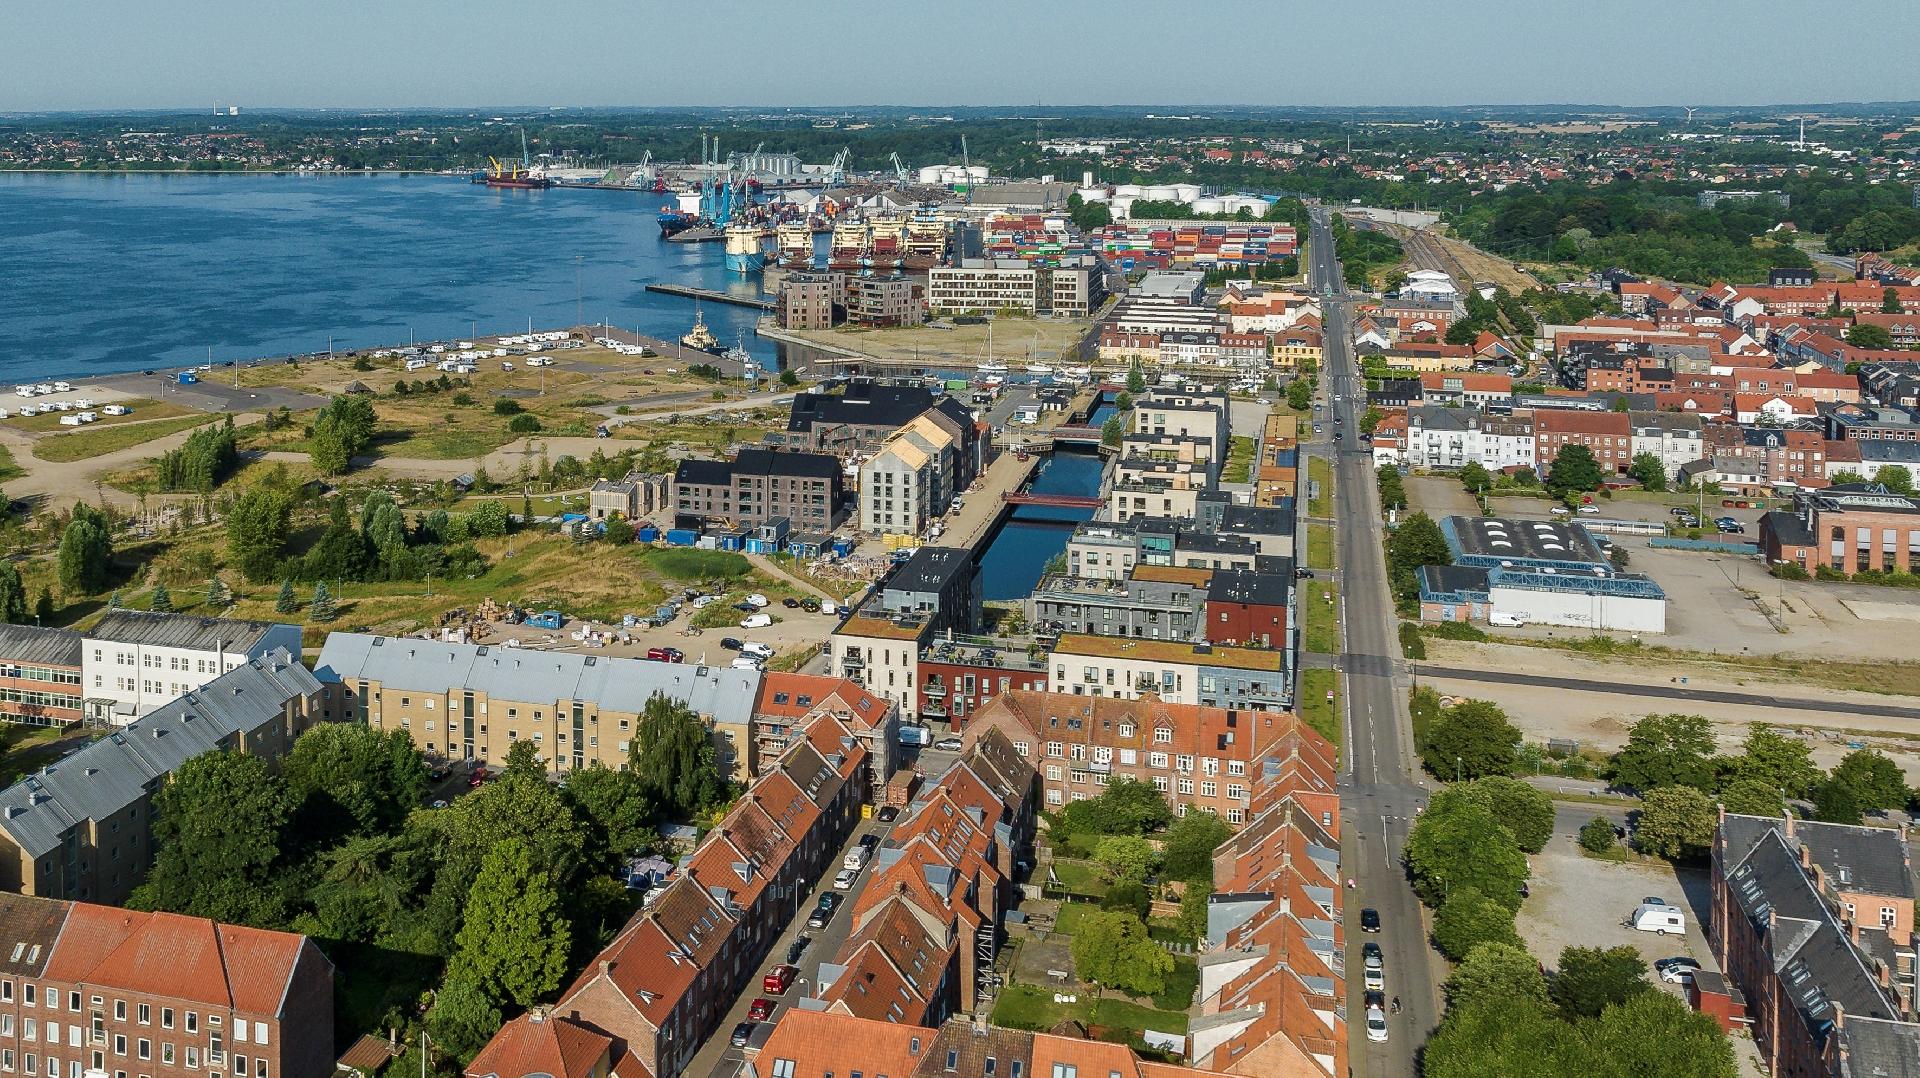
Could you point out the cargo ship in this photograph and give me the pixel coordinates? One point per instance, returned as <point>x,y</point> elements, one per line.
<point>674,221</point>
<point>925,243</point>
<point>850,244</point>
<point>746,247</point>
<point>794,242</point>
<point>522,176</point>
<point>885,253</point>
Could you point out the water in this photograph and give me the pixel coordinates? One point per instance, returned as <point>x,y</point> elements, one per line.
<point>106,274</point>
<point>1010,567</point>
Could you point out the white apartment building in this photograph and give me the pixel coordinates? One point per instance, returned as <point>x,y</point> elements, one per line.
<point>1674,437</point>
<point>134,662</point>
<point>1200,415</point>
<point>909,482</point>
<point>1440,437</point>
<point>981,284</point>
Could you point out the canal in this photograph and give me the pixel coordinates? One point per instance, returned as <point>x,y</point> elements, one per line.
<point>1031,535</point>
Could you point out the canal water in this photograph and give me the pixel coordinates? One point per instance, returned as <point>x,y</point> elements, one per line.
<point>1010,566</point>
<point>111,273</point>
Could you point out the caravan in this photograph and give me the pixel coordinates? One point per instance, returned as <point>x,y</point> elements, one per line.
<point>1657,917</point>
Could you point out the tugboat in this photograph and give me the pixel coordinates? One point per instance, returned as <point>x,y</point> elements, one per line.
<point>700,338</point>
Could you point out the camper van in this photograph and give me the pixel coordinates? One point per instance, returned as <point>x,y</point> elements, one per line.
<point>1658,918</point>
<point>1506,617</point>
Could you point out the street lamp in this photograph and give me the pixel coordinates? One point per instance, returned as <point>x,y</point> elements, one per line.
<point>1456,769</point>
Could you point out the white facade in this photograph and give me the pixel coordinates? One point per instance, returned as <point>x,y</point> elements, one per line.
<point>1466,438</point>
<point>884,666</point>
<point>125,679</point>
<point>1675,445</point>
<point>1430,284</point>
<point>982,285</point>
<point>909,482</point>
<point>1621,613</point>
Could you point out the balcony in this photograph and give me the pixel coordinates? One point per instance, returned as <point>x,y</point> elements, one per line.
<point>935,690</point>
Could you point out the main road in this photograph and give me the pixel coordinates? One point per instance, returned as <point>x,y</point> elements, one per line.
<point>1381,790</point>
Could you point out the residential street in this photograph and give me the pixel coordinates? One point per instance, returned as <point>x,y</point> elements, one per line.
<point>1381,794</point>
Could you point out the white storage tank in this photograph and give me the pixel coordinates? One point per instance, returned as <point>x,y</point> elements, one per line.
<point>1092,194</point>
<point>976,173</point>
<point>1127,190</point>
<point>931,173</point>
<point>1210,205</point>
<point>1161,192</point>
<point>1186,192</point>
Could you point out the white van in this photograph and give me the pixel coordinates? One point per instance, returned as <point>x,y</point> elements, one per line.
<point>856,859</point>
<point>1659,919</point>
<point>1506,617</point>
<point>745,662</point>
<point>756,621</point>
<point>756,649</point>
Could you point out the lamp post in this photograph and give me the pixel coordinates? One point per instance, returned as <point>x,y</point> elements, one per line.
<point>1456,768</point>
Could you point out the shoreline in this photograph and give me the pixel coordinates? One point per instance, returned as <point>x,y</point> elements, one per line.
<point>229,172</point>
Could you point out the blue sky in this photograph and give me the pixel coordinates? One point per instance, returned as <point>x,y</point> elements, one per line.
<point>106,54</point>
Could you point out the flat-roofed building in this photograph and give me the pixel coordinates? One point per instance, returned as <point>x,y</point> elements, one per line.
<point>40,676</point>
<point>1180,673</point>
<point>807,300</point>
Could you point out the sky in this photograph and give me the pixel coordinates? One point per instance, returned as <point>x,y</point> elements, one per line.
<point>137,54</point>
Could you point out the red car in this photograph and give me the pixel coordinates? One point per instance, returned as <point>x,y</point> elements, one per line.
<point>479,776</point>
<point>665,655</point>
<point>777,981</point>
<point>760,1010</point>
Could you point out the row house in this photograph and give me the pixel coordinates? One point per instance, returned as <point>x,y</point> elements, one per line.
<point>1448,438</point>
<point>1421,357</point>
<point>759,486</point>
<point>958,678</point>
<point>1780,455</point>
<point>1238,677</point>
<point>1705,403</point>
<point>1272,966</point>
<point>788,703</point>
<point>1812,924</point>
<point>809,1043</point>
<point>1476,390</point>
<point>1858,297</point>
<point>1298,348</point>
<point>1204,758</point>
<point>654,995</point>
<point>94,990</point>
<point>1673,437</point>
<point>1607,435</point>
<point>1904,328</point>
<point>82,828</point>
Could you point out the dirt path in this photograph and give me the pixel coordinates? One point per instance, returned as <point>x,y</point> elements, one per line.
<point>61,483</point>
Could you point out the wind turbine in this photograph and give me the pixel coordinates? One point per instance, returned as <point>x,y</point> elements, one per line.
<point>1690,111</point>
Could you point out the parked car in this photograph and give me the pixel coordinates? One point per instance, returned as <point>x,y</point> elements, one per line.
<point>797,948</point>
<point>741,1034</point>
<point>479,776</point>
<point>1589,510</point>
<point>1680,511</point>
<point>730,643</point>
<point>821,915</point>
<point>745,607</point>
<point>757,649</point>
<point>760,1009</point>
<point>1676,970</point>
<point>665,655</point>
<point>1369,920</point>
<point>844,879</point>
<point>1376,1024</point>
<point>779,979</point>
<point>887,814</point>
<point>756,600</point>
<point>756,621</point>
<point>790,603</point>
<point>1303,574</point>
<point>1561,511</point>
<point>948,744</point>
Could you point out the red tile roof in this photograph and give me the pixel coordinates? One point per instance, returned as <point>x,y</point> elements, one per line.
<point>167,954</point>
<point>538,1044</point>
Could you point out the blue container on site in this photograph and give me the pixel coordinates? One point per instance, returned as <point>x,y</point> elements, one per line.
<point>682,537</point>
<point>647,534</point>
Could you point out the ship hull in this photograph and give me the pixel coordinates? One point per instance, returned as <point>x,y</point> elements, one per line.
<point>746,261</point>
<point>698,234</point>
<point>514,184</point>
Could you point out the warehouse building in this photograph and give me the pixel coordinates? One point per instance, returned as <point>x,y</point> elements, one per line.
<point>1535,572</point>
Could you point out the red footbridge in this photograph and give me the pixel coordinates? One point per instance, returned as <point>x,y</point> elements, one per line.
<point>1063,501</point>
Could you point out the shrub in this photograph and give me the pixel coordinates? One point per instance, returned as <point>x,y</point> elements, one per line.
<point>506,406</point>
<point>1411,643</point>
<point>524,424</point>
<point>1596,835</point>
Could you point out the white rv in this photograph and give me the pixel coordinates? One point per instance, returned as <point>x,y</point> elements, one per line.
<point>1657,918</point>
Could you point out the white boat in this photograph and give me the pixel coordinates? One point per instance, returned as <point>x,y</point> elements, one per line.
<point>1039,368</point>
<point>993,380</point>
<point>993,368</point>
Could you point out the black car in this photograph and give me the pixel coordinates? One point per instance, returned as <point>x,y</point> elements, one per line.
<point>741,1034</point>
<point>730,643</point>
<point>1369,920</point>
<point>1370,950</point>
<point>790,603</point>
<point>796,948</point>
<point>746,608</point>
<point>868,842</point>
<point>1302,574</point>
<point>1376,998</point>
<point>887,814</point>
<point>820,916</point>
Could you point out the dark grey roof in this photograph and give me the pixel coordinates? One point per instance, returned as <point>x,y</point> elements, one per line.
<point>1495,539</point>
<point>776,462</point>
<point>1788,528</point>
<point>180,631</point>
<point>706,473</point>
<point>39,646</point>
<point>1254,520</point>
<point>105,777</point>
<point>1441,579</point>
<point>1874,1048</point>
<point>1246,586</point>
<point>1872,860</point>
<point>1195,542</point>
<point>863,404</point>
<point>931,569</point>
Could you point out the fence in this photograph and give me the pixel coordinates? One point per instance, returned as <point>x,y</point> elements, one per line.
<point>1718,546</point>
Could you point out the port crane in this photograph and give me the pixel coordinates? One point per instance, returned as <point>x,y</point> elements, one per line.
<point>839,176</point>
<point>899,170</point>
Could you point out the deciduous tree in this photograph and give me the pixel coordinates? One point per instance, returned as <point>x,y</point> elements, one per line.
<point>1574,471</point>
<point>1469,919</point>
<point>85,560</point>
<point>341,431</point>
<point>1876,781</point>
<point>1751,797</point>
<point>1187,853</point>
<point>1656,1033</point>
<point>674,758</point>
<point>1675,822</point>
<point>1522,809</point>
<point>513,944</point>
<point>1127,858</point>
<point>218,824</point>
<point>1469,740</point>
<point>1777,760</point>
<point>614,809</point>
<point>1463,846</point>
<point>1112,949</point>
<point>1591,979</point>
<point>1666,750</point>
<point>13,595</point>
<point>1502,973</point>
<point>1646,468</point>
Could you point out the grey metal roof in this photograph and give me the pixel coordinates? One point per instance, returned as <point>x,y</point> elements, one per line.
<point>1876,1048</point>
<point>112,773</point>
<point>39,646</point>
<point>180,631</point>
<point>613,684</point>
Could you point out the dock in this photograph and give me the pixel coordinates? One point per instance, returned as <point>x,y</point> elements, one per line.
<point>672,351</point>
<point>709,295</point>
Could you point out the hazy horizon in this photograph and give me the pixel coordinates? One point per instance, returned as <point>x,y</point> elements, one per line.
<point>118,55</point>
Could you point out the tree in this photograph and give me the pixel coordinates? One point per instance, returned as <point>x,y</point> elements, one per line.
<point>1111,949</point>
<point>1187,853</point>
<point>13,595</point>
<point>353,775</point>
<point>1469,919</point>
<point>462,1020</point>
<point>1127,858</point>
<point>257,528</point>
<point>1126,807</point>
<point>618,532</point>
<point>1675,822</point>
<point>788,378</point>
<point>1890,301</point>
<point>1461,846</point>
<point>1876,782</point>
<point>218,594</point>
<point>1501,1040</point>
<point>1475,477</point>
<point>1776,760</point>
<point>43,606</point>
<point>1300,394</point>
<point>1370,419</point>
<point>1129,896</point>
<point>1590,979</point>
<point>1647,469</point>
<point>1416,542</point>
<point>218,824</point>
<point>1836,802</point>
<point>614,809</point>
<point>673,757</point>
<point>1470,739</point>
<point>341,431</point>
<point>1193,910</point>
<point>1751,797</point>
<point>1846,476</point>
<point>1112,431</point>
<point>287,603</point>
<point>1666,750</point>
<point>1897,478</point>
<point>86,553</point>
<point>505,406</point>
<point>1656,1033</point>
<point>513,943</point>
<point>1136,378</point>
<point>323,608</point>
<point>1524,810</point>
<point>1500,973</point>
<point>1596,835</point>
<point>1574,471</point>
<point>1869,336</point>
<point>162,601</point>
<point>1393,493</point>
<point>489,518</point>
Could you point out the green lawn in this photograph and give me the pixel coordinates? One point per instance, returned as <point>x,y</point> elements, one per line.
<point>1072,914</point>
<point>1323,617</point>
<point>1239,460</point>
<point>1080,877</point>
<point>1319,546</point>
<point>1321,713</point>
<point>84,444</point>
<point>1023,1006</point>
<point>1320,472</point>
<point>8,469</point>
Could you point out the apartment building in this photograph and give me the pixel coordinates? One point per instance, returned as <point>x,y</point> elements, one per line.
<point>1845,528</point>
<point>959,677</point>
<point>911,481</point>
<point>1301,347</point>
<point>1672,436</point>
<point>788,703</point>
<point>1608,435</point>
<point>473,702</point>
<point>41,676</point>
<point>1442,437</point>
<point>1477,390</point>
<point>1073,289</point>
<point>634,496</point>
<point>759,486</point>
<point>654,995</point>
<point>1174,671</point>
<point>1176,412</point>
<point>807,300</point>
<point>1146,609</point>
<point>983,285</point>
<point>93,990</point>
<point>82,828</point>
<point>136,661</point>
<point>1250,608</point>
<point>883,301</point>
<point>1811,923</point>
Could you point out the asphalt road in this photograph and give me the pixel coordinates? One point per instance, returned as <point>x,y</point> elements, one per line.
<point>1672,692</point>
<point>1380,796</point>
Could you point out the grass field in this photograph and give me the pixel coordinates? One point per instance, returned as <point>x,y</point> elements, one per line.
<point>101,439</point>
<point>142,410</point>
<point>8,469</point>
<point>1080,877</point>
<point>1323,617</point>
<point>1239,460</point>
<point>1010,339</point>
<point>1319,546</point>
<point>1320,712</point>
<point>1023,1006</point>
<point>1320,472</point>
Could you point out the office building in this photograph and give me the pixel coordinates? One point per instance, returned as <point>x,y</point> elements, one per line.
<point>135,661</point>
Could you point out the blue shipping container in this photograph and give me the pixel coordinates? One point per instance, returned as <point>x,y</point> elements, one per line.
<point>647,533</point>
<point>682,537</point>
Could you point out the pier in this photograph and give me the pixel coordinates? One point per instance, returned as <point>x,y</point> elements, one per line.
<point>709,295</point>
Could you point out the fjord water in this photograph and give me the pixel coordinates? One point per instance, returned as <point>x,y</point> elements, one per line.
<point>110,273</point>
